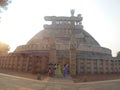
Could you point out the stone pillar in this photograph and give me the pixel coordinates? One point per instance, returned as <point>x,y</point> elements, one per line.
<point>52,56</point>
<point>85,66</point>
<point>0,62</point>
<point>27,64</point>
<point>78,70</point>
<point>16,63</point>
<point>3,63</point>
<point>113,66</point>
<point>98,66</point>
<point>6,66</point>
<point>109,66</point>
<point>118,65</point>
<point>73,61</point>
<point>12,62</point>
<point>52,51</point>
<point>21,63</point>
<point>92,66</point>
<point>104,66</point>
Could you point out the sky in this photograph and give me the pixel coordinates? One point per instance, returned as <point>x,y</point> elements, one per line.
<point>25,18</point>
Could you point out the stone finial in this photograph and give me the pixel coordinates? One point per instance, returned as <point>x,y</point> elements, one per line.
<point>72,12</point>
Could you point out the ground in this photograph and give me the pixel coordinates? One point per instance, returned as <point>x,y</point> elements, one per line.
<point>76,79</point>
<point>95,77</point>
<point>9,82</point>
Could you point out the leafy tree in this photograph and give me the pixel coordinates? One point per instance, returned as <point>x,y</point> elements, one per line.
<point>118,54</point>
<point>4,48</point>
<point>4,3</point>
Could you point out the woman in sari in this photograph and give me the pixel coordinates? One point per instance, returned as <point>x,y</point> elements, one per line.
<point>58,71</point>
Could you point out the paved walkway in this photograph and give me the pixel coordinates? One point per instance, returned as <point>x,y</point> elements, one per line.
<point>8,82</point>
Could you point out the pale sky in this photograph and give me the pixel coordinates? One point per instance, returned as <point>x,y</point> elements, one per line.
<point>25,18</point>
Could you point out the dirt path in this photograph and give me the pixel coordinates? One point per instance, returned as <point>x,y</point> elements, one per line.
<point>76,79</point>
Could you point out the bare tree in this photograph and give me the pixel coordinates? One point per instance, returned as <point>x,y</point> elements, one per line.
<point>118,54</point>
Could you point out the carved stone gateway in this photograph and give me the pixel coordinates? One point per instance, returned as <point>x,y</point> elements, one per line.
<point>73,61</point>
<point>52,51</point>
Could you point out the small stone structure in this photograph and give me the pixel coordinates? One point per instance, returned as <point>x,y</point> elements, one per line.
<point>63,41</point>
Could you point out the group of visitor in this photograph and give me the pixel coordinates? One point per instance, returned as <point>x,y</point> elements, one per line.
<point>55,70</point>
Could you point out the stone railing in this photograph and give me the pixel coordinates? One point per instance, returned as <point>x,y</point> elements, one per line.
<point>94,49</point>
<point>32,47</point>
<point>54,18</point>
<point>62,26</point>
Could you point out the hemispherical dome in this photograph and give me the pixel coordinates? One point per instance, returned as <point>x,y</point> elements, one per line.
<point>60,34</point>
<point>63,37</point>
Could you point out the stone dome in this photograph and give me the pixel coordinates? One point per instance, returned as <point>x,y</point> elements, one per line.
<point>83,37</point>
<point>60,31</point>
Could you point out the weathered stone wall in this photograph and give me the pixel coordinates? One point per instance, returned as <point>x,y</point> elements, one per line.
<point>25,63</point>
<point>93,66</point>
<point>81,65</point>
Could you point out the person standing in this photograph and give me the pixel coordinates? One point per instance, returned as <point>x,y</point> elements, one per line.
<point>64,70</point>
<point>38,76</point>
<point>58,71</point>
<point>49,72</point>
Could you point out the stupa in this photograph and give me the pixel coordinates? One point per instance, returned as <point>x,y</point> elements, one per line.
<point>64,41</point>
